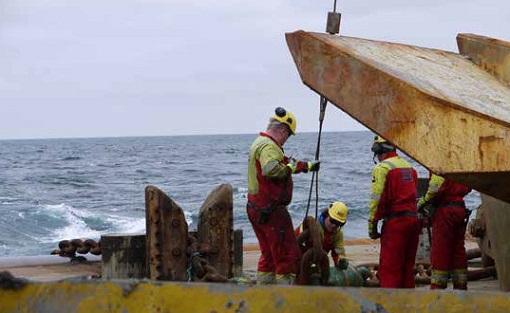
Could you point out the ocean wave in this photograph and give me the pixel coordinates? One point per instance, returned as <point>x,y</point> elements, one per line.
<point>127,224</point>
<point>71,158</point>
<point>75,225</point>
<point>240,190</point>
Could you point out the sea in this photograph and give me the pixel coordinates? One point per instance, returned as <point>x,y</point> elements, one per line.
<point>56,189</point>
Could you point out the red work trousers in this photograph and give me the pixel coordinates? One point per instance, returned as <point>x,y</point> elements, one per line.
<point>278,245</point>
<point>399,242</point>
<point>448,229</point>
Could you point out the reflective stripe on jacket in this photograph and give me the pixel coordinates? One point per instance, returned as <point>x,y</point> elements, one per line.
<point>394,183</point>
<point>269,179</point>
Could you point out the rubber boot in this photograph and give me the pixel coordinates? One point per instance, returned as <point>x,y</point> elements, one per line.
<point>439,279</point>
<point>459,278</point>
<point>266,278</point>
<point>285,279</point>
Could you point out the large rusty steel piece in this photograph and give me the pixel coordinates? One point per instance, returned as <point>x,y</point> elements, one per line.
<point>438,107</point>
<point>216,228</point>
<point>167,237</point>
<point>314,264</point>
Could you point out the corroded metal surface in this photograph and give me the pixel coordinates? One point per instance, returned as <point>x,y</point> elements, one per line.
<point>167,235</point>
<point>491,54</point>
<point>215,228</point>
<point>133,296</point>
<point>314,264</point>
<point>496,216</point>
<point>123,256</point>
<point>436,106</point>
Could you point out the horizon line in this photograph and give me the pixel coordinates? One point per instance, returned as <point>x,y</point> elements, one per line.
<point>154,136</point>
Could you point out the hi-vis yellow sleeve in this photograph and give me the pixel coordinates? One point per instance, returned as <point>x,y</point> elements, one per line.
<point>271,162</point>
<point>338,243</point>
<point>435,183</point>
<point>378,180</point>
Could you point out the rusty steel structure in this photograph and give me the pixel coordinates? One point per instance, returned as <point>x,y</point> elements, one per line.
<point>438,107</point>
<point>448,111</point>
<point>167,237</point>
<point>216,228</point>
<point>314,264</point>
<point>175,254</point>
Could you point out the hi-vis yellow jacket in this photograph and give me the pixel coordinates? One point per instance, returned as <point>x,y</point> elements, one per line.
<point>269,177</point>
<point>393,189</point>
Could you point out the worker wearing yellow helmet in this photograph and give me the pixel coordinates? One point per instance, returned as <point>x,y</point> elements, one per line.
<point>332,221</point>
<point>269,192</point>
<point>393,200</point>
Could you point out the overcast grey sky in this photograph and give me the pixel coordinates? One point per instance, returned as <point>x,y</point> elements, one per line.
<point>90,68</point>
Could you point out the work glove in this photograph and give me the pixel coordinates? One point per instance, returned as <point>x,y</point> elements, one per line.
<point>314,166</point>
<point>342,264</point>
<point>373,233</point>
<point>303,166</point>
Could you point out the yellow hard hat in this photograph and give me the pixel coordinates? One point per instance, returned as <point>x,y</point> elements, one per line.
<point>338,211</point>
<point>379,139</point>
<point>285,117</point>
<point>381,145</point>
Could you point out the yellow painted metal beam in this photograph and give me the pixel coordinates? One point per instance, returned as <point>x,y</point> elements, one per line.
<point>134,296</point>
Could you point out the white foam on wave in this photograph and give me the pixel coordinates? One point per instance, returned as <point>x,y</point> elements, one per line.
<point>76,226</point>
<point>127,224</point>
<point>124,224</point>
<point>242,190</point>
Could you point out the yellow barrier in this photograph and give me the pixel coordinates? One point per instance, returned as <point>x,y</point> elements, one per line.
<point>148,296</point>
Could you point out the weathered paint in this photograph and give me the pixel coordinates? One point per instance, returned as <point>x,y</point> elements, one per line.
<point>123,256</point>
<point>167,236</point>
<point>215,228</point>
<point>495,241</point>
<point>125,297</point>
<point>436,106</point>
<point>491,54</point>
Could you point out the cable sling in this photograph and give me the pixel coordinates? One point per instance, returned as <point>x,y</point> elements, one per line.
<point>315,175</point>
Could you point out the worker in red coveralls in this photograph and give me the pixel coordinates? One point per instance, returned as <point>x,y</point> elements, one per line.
<point>449,218</point>
<point>269,193</point>
<point>332,221</point>
<point>393,200</point>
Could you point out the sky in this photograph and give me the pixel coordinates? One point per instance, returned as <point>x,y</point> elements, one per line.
<point>107,68</point>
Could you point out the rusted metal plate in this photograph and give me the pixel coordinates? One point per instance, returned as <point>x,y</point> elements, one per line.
<point>491,54</point>
<point>436,106</point>
<point>215,228</point>
<point>167,235</point>
<point>123,256</point>
<point>495,242</point>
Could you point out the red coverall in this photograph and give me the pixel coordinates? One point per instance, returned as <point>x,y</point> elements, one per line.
<point>448,254</point>
<point>394,200</point>
<point>270,188</point>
